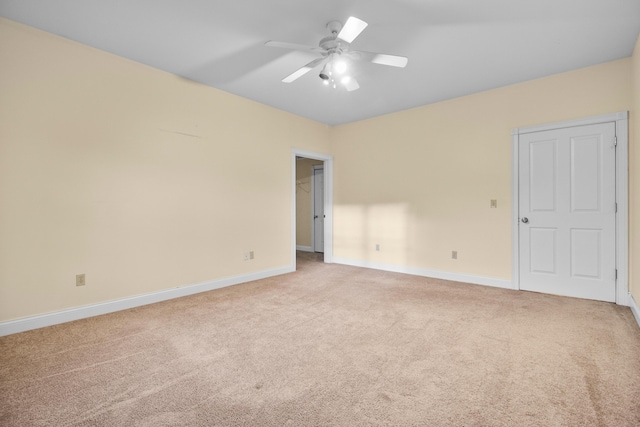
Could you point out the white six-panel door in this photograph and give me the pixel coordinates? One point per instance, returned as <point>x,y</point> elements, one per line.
<point>567,195</point>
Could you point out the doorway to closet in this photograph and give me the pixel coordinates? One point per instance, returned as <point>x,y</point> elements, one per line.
<point>312,206</point>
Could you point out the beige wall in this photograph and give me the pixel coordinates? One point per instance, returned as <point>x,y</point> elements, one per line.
<point>634,177</point>
<point>145,181</point>
<point>304,202</point>
<point>419,182</point>
<point>140,179</point>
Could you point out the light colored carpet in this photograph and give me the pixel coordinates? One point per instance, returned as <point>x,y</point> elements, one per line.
<point>332,345</point>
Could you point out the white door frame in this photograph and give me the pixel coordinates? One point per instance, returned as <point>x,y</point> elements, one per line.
<point>621,120</point>
<point>313,205</point>
<point>328,202</point>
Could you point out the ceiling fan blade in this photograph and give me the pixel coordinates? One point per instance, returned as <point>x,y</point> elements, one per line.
<point>302,71</point>
<point>294,46</point>
<point>352,28</point>
<point>381,58</point>
<point>351,84</point>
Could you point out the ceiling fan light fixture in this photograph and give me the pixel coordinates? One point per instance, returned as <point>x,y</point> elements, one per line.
<point>325,73</point>
<point>340,66</point>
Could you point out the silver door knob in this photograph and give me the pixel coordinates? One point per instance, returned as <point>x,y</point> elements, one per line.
<point>525,220</point>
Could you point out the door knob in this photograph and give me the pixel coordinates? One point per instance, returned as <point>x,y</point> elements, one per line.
<point>315,217</point>
<point>525,220</point>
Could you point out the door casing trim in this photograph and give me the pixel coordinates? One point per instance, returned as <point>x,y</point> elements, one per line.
<point>328,202</point>
<point>313,206</point>
<point>621,120</point>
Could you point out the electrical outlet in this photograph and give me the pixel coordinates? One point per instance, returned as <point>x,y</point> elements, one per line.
<point>251,256</point>
<point>454,254</point>
<point>494,203</point>
<point>246,256</point>
<point>80,280</point>
<point>377,246</point>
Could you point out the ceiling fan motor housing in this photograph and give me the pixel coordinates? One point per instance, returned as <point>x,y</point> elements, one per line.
<point>332,44</point>
<point>334,27</point>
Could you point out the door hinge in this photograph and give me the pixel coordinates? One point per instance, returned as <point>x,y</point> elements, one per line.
<point>615,141</point>
<point>616,207</point>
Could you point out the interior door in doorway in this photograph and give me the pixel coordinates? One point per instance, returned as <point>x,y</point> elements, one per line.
<point>318,209</point>
<point>567,205</point>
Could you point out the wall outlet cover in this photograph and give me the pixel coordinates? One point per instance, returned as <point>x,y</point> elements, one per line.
<point>81,280</point>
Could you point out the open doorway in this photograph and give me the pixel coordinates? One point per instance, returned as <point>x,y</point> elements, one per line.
<point>309,205</point>
<point>312,207</point>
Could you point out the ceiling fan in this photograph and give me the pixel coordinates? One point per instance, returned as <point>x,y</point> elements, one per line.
<point>335,53</point>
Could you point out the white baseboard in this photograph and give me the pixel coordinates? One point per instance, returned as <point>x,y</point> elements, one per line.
<point>436,274</point>
<point>76,313</point>
<point>304,248</point>
<point>634,308</point>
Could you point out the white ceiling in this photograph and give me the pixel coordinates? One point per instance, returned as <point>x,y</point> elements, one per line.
<point>455,47</point>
